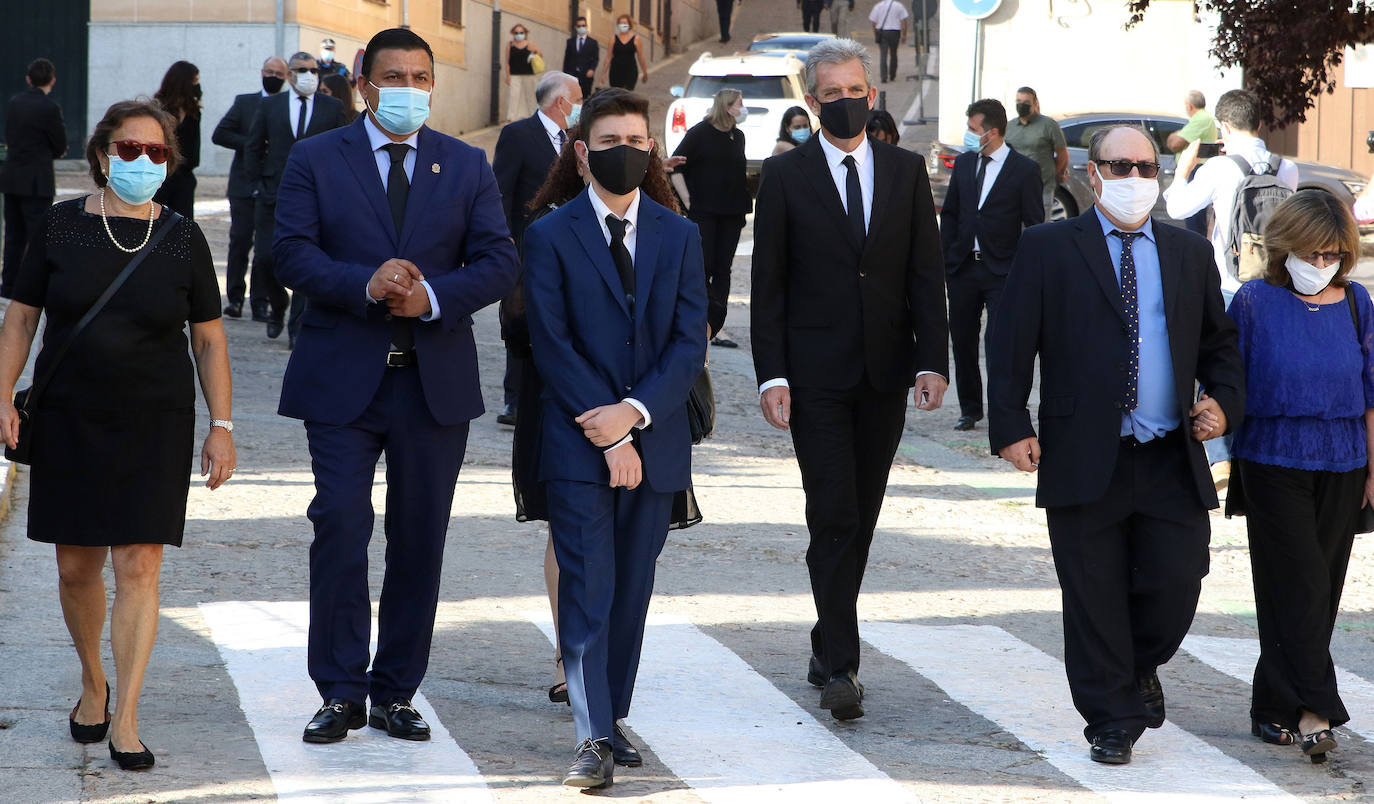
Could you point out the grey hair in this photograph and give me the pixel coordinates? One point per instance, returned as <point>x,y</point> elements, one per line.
<point>301,55</point>
<point>552,85</point>
<point>836,51</point>
<point>1196,99</point>
<point>1095,143</point>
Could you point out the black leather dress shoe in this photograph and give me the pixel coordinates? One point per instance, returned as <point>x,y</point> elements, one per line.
<point>815,674</point>
<point>967,422</point>
<point>274,328</point>
<point>260,312</point>
<point>398,719</point>
<point>1152,695</point>
<point>623,750</point>
<point>332,722</point>
<point>593,765</point>
<point>506,416</point>
<point>1111,747</point>
<point>843,696</point>
<point>234,309</point>
<point>724,343</point>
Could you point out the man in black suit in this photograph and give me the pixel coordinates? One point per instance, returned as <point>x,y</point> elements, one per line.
<point>848,312</point>
<point>1126,314</point>
<point>281,120</point>
<point>232,132</point>
<point>35,136</point>
<point>994,193</point>
<point>580,56</point>
<point>525,150</point>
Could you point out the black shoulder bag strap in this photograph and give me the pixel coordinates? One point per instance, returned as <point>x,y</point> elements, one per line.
<point>39,383</point>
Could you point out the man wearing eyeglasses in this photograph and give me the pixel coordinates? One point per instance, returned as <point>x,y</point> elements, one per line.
<point>1125,317</point>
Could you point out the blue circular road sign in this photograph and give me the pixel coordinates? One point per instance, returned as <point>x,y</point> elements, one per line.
<point>976,9</point>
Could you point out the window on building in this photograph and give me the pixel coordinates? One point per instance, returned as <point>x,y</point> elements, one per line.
<point>645,15</point>
<point>607,5</point>
<point>453,12</point>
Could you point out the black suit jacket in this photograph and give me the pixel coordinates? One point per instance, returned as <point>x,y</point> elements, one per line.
<point>232,133</point>
<point>35,136</point>
<point>272,135</point>
<point>577,62</point>
<point>1062,301</point>
<point>1013,203</point>
<point>825,309</point>
<point>524,154</point>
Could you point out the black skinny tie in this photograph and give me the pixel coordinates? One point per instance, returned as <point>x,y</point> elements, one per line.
<point>978,180</point>
<point>1131,305</point>
<point>623,264</point>
<point>854,199</point>
<point>397,191</point>
<point>300,121</point>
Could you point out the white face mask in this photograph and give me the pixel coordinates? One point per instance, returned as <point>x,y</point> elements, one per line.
<point>1130,199</point>
<point>307,83</point>
<point>623,28</point>
<point>519,37</point>
<point>1308,279</point>
<point>326,57</point>
<point>740,114</point>
<point>581,30</point>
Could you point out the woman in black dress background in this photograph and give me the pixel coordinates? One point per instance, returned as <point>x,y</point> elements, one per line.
<point>117,420</point>
<point>625,53</point>
<point>180,96</point>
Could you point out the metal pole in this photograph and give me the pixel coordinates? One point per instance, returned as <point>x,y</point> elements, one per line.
<point>405,13</point>
<point>977,61</point>
<point>494,112</point>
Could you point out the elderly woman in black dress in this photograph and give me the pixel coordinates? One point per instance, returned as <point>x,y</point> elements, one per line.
<point>117,419</point>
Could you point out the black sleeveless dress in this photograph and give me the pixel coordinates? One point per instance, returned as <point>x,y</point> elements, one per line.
<point>624,66</point>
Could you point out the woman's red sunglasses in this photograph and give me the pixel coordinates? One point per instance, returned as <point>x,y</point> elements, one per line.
<point>129,150</point>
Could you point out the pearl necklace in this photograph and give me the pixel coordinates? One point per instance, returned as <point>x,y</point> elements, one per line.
<point>119,245</point>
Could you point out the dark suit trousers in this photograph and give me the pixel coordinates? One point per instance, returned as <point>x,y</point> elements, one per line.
<point>241,211</point>
<point>422,462</point>
<point>22,215</point>
<point>1130,567</point>
<point>845,441</point>
<point>811,15</point>
<point>606,541</point>
<point>1301,526</point>
<point>888,42</point>
<point>719,239</point>
<point>264,264</point>
<point>724,9</point>
<point>971,289</point>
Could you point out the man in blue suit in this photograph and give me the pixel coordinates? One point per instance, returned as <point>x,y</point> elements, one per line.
<point>616,298</point>
<point>413,243</point>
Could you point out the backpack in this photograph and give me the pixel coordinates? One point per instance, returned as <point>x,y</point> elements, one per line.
<point>1256,196</point>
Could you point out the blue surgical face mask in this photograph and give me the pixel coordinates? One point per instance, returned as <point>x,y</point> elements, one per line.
<point>973,142</point>
<point>136,182</point>
<point>401,110</point>
<point>801,135</point>
<point>574,115</point>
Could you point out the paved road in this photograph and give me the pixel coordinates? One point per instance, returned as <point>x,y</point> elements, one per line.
<point>962,663</point>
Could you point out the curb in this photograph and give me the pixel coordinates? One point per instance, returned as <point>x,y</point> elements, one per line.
<point>8,472</point>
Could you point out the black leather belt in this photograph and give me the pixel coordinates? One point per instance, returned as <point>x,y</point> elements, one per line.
<point>395,359</point>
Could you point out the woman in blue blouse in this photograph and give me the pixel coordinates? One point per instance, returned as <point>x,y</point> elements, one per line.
<point>1304,457</point>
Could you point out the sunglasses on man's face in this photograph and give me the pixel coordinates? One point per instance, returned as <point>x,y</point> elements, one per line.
<point>129,150</point>
<point>304,70</point>
<point>1122,167</point>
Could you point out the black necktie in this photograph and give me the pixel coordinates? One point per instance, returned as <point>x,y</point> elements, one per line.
<point>1131,304</point>
<point>300,121</point>
<point>397,191</point>
<point>623,264</point>
<point>854,199</point>
<point>978,180</point>
<point>562,140</point>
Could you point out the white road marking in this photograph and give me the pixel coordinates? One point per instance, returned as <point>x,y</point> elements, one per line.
<point>1024,690</point>
<point>263,645</point>
<point>726,731</point>
<point>1236,657</point>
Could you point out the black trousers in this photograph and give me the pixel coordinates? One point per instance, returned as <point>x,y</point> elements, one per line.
<point>1301,526</point>
<point>888,42</point>
<point>241,212</point>
<point>845,441</point>
<point>724,8</point>
<point>811,15</point>
<point>264,264</point>
<point>515,375</point>
<point>971,290</point>
<point>22,215</point>
<point>719,238</point>
<point>1130,567</point>
<point>179,193</point>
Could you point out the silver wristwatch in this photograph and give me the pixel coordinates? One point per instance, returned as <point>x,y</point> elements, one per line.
<point>225,423</point>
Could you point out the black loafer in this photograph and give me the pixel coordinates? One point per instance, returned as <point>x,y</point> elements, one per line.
<point>967,422</point>
<point>332,722</point>
<point>1111,747</point>
<point>1272,733</point>
<point>843,696</point>
<point>624,751</point>
<point>234,309</point>
<point>593,765</point>
<point>274,328</point>
<point>1152,695</point>
<point>398,719</point>
<point>93,732</point>
<point>133,760</point>
<point>815,674</point>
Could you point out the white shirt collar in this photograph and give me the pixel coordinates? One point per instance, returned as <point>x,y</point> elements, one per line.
<point>834,156</point>
<point>631,216</point>
<point>376,138</point>
<point>1000,155</point>
<point>549,126</point>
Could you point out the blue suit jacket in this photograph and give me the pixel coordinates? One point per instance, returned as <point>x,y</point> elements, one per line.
<point>334,229</point>
<point>590,353</point>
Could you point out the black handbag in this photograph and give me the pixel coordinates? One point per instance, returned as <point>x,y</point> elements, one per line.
<point>701,407</point>
<point>26,399</point>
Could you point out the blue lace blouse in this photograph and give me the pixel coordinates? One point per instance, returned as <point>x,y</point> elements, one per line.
<point>1308,379</point>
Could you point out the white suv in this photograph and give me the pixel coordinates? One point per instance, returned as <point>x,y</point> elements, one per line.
<point>770,85</point>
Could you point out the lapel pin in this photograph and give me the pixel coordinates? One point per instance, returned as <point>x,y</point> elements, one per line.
<point>434,168</point>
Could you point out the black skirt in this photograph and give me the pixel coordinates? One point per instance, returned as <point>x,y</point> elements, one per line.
<point>104,478</point>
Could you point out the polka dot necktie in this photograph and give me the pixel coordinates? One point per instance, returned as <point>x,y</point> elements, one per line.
<point>1130,303</point>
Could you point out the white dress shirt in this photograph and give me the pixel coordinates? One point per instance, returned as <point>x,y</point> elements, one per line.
<point>990,173</point>
<point>293,108</point>
<point>631,217</point>
<point>551,128</point>
<point>378,140</point>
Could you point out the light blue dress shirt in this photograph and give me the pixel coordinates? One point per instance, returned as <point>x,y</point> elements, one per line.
<point>1156,411</point>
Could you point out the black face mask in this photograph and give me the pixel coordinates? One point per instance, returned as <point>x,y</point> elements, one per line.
<point>195,91</point>
<point>620,169</point>
<point>845,118</point>
<point>272,84</point>
<point>1023,110</point>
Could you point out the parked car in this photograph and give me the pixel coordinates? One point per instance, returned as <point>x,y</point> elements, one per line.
<point>788,42</point>
<point>1075,195</point>
<point>770,85</point>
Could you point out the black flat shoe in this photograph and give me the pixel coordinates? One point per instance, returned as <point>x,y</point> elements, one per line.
<point>843,696</point>
<point>133,760</point>
<point>624,751</point>
<point>593,765</point>
<point>558,693</point>
<point>399,719</point>
<point>815,674</point>
<point>1111,747</point>
<point>1316,744</point>
<point>1271,733</point>
<point>90,733</point>
<point>1152,695</point>
<point>332,723</point>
